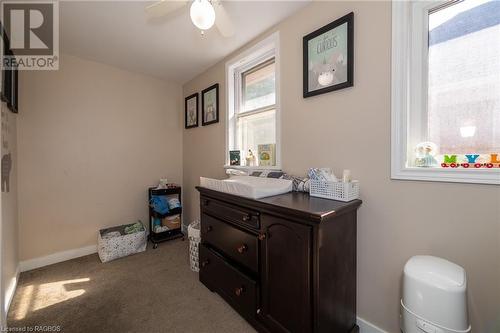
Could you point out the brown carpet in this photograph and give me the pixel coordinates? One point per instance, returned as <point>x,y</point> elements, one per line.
<point>154,291</point>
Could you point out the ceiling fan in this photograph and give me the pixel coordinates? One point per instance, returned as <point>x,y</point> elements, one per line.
<point>204,14</point>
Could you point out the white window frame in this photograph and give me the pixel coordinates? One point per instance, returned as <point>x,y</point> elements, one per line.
<point>409,95</point>
<point>263,51</point>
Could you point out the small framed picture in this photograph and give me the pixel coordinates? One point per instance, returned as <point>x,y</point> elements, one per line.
<point>234,157</point>
<point>328,57</point>
<point>210,105</point>
<point>191,111</point>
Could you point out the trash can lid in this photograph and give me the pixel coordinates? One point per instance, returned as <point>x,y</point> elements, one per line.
<point>435,271</point>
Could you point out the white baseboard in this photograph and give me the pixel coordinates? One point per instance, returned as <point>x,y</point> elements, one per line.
<point>9,293</point>
<point>54,258</point>
<point>367,327</point>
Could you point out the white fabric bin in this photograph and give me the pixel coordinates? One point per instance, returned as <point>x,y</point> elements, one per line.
<point>114,243</point>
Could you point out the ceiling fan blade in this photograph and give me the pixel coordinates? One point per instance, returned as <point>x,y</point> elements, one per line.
<point>164,7</point>
<point>222,20</point>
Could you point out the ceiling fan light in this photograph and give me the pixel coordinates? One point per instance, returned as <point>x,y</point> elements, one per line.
<point>202,14</point>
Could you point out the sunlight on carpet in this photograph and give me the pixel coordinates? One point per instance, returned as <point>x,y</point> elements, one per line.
<point>47,294</point>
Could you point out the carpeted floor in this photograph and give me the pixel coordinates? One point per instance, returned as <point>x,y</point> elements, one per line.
<point>154,291</point>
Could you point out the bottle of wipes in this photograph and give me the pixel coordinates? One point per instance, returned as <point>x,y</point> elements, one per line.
<point>346,176</point>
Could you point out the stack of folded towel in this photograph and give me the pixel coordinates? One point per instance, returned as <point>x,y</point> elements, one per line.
<point>133,228</point>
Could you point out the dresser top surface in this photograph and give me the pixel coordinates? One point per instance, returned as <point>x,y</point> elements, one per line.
<point>297,203</point>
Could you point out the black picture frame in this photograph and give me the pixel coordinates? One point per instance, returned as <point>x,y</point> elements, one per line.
<point>10,77</point>
<point>349,19</point>
<point>195,95</point>
<point>203,104</point>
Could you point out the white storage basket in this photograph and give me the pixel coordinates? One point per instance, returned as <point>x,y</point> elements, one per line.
<point>121,244</point>
<point>194,242</point>
<point>334,190</point>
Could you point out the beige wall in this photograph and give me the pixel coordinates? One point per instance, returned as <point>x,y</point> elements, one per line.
<point>350,129</point>
<point>91,138</point>
<point>9,227</point>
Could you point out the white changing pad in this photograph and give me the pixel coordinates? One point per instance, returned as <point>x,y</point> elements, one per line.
<point>248,186</point>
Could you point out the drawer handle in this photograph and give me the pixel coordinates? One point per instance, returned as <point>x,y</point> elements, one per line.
<point>262,236</point>
<point>242,248</point>
<point>247,217</point>
<point>204,263</point>
<point>239,291</point>
<point>209,228</point>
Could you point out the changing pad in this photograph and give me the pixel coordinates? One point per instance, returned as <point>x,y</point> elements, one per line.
<point>248,186</point>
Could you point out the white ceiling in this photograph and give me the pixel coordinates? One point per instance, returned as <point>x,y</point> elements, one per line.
<point>120,34</point>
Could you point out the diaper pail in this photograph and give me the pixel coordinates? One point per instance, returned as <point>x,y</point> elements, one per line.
<point>434,297</point>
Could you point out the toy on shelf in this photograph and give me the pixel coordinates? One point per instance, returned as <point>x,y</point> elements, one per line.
<point>250,158</point>
<point>425,153</point>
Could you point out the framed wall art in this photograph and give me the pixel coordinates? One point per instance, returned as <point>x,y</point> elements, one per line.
<point>328,57</point>
<point>191,111</point>
<point>210,105</point>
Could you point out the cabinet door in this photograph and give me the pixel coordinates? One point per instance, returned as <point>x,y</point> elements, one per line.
<point>286,269</point>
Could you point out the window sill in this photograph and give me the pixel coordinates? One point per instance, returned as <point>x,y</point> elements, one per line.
<point>471,176</point>
<point>244,167</point>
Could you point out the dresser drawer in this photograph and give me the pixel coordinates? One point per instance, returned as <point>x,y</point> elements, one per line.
<point>230,212</point>
<point>239,245</point>
<point>236,288</point>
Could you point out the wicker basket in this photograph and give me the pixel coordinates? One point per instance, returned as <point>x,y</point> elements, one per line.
<point>334,190</point>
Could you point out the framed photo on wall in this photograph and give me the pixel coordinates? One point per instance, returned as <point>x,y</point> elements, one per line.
<point>210,105</point>
<point>191,111</point>
<point>328,57</point>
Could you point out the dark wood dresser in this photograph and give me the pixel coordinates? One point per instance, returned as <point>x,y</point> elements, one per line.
<point>286,263</point>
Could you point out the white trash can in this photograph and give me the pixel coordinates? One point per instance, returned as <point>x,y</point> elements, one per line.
<point>434,297</point>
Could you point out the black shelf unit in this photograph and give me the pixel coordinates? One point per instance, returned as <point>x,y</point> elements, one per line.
<point>159,237</point>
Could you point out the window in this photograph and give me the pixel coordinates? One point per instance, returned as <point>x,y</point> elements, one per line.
<point>253,106</point>
<point>445,91</point>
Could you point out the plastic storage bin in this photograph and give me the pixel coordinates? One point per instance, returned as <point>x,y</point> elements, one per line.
<point>434,297</point>
<point>334,190</point>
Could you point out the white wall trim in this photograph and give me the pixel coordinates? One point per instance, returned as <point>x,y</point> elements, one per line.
<point>9,293</point>
<point>266,48</point>
<point>54,258</point>
<point>367,327</point>
<point>402,103</point>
